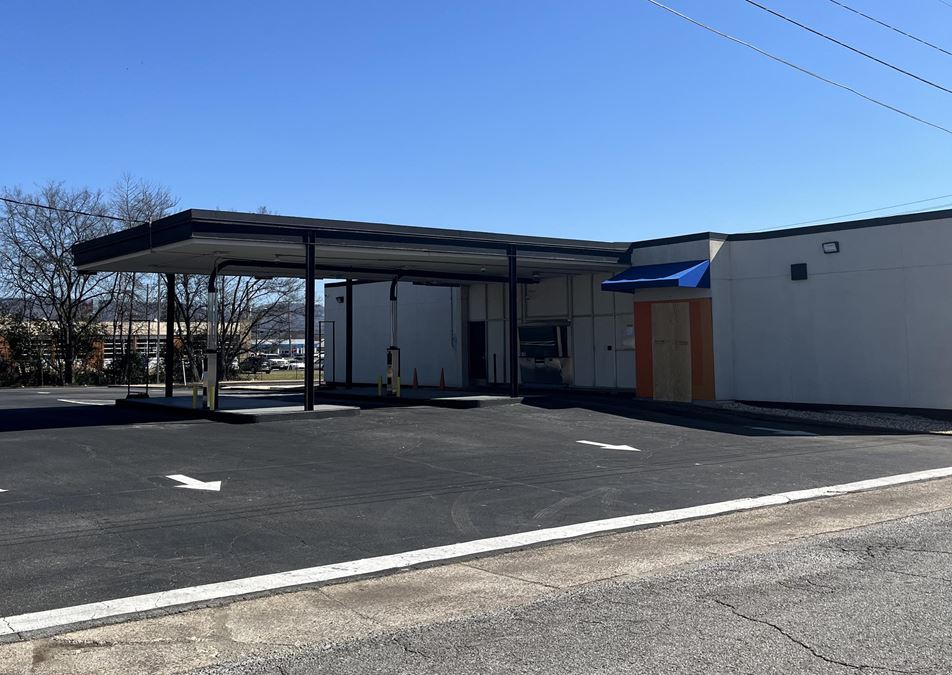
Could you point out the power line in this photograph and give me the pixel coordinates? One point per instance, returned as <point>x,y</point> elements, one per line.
<point>73,211</point>
<point>892,28</point>
<point>800,68</point>
<point>860,213</point>
<point>847,46</point>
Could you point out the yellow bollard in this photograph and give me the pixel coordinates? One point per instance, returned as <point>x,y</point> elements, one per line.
<point>379,385</point>
<point>397,388</point>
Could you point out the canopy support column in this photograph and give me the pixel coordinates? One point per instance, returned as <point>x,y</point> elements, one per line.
<point>393,312</point>
<point>393,352</point>
<point>309,322</point>
<point>211,347</point>
<point>169,333</point>
<point>349,330</point>
<point>513,324</point>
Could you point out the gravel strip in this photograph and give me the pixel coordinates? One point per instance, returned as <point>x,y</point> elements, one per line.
<point>897,421</point>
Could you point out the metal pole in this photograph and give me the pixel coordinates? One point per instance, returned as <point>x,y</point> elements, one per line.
<point>158,313</point>
<point>211,346</point>
<point>169,339</point>
<point>148,340</point>
<point>132,300</point>
<point>513,325</point>
<point>309,323</point>
<point>393,312</point>
<point>349,329</point>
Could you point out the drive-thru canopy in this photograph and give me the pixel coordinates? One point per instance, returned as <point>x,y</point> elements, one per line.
<point>221,242</point>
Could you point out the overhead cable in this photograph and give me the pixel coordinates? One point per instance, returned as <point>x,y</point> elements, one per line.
<point>848,46</point>
<point>803,70</point>
<point>73,211</point>
<point>892,28</point>
<point>860,213</point>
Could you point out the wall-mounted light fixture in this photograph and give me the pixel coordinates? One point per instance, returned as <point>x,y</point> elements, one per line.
<point>831,247</point>
<point>340,299</point>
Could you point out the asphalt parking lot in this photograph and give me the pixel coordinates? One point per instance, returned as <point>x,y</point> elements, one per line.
<point>88,512</point>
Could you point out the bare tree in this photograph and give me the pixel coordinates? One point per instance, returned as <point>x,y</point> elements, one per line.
<point>36,263</point>
<point>138,201</point>
<point>250,311</point>
<point>135,201</point>
<point>253,307</point>
<point>190,314</point>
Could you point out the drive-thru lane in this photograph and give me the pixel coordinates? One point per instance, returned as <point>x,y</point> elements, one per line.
<point>90,511</point>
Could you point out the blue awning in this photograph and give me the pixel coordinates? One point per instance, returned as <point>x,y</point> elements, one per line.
<point>689,274</point>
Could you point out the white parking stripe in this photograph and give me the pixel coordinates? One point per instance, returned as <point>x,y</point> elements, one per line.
<point>110,609</point>
<point>90,402</point>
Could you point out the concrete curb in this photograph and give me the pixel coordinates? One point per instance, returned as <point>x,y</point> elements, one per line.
<point>239,417</point>
<point>457,403</point>
<point>219,593</point>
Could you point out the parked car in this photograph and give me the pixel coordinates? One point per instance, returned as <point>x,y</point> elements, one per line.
<point>296,365</point>
<point>278,362</point>
<point>255,364</point>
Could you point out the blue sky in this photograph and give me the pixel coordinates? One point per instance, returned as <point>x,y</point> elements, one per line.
<point>607,120</point>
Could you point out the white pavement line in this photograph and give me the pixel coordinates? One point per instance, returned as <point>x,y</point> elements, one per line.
<point>91,402</point>
<point>2,490</point>
<point>609,446</point>
<point>783,432</point>
<point>42,392</point>
<point>33,621</point>
<point>195,484</point>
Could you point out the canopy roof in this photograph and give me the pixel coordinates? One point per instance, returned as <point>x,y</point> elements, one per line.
<point>196,241</point>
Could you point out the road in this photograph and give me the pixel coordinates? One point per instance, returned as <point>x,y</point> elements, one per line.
<point>89,512</point>
<point>856,583</point>
<point>874,599</point>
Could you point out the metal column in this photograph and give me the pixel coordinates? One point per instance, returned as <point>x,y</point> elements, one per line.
<point>513,324</point>
<point>169,333</point>
<point>309,322</point>
<point>349,329</point>
<point>393,312</point>
<point>211,346</point>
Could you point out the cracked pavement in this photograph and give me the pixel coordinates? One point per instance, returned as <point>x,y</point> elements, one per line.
<point>872,599</point>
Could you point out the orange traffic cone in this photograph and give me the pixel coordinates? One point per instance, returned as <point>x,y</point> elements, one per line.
<point>415,383</point>
<point>442,380</point>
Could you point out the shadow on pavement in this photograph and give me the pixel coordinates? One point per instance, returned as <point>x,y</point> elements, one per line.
<point>700,417</point>
<point>63,417</point>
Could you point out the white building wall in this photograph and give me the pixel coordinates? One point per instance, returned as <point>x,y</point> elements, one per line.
<point>722,317</point>
<point>870,326</point>
<point>428,332</point>
<point>600,333</point>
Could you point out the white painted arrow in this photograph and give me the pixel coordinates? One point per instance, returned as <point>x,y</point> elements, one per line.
<point>192,484</point>
<point>608,446</point>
